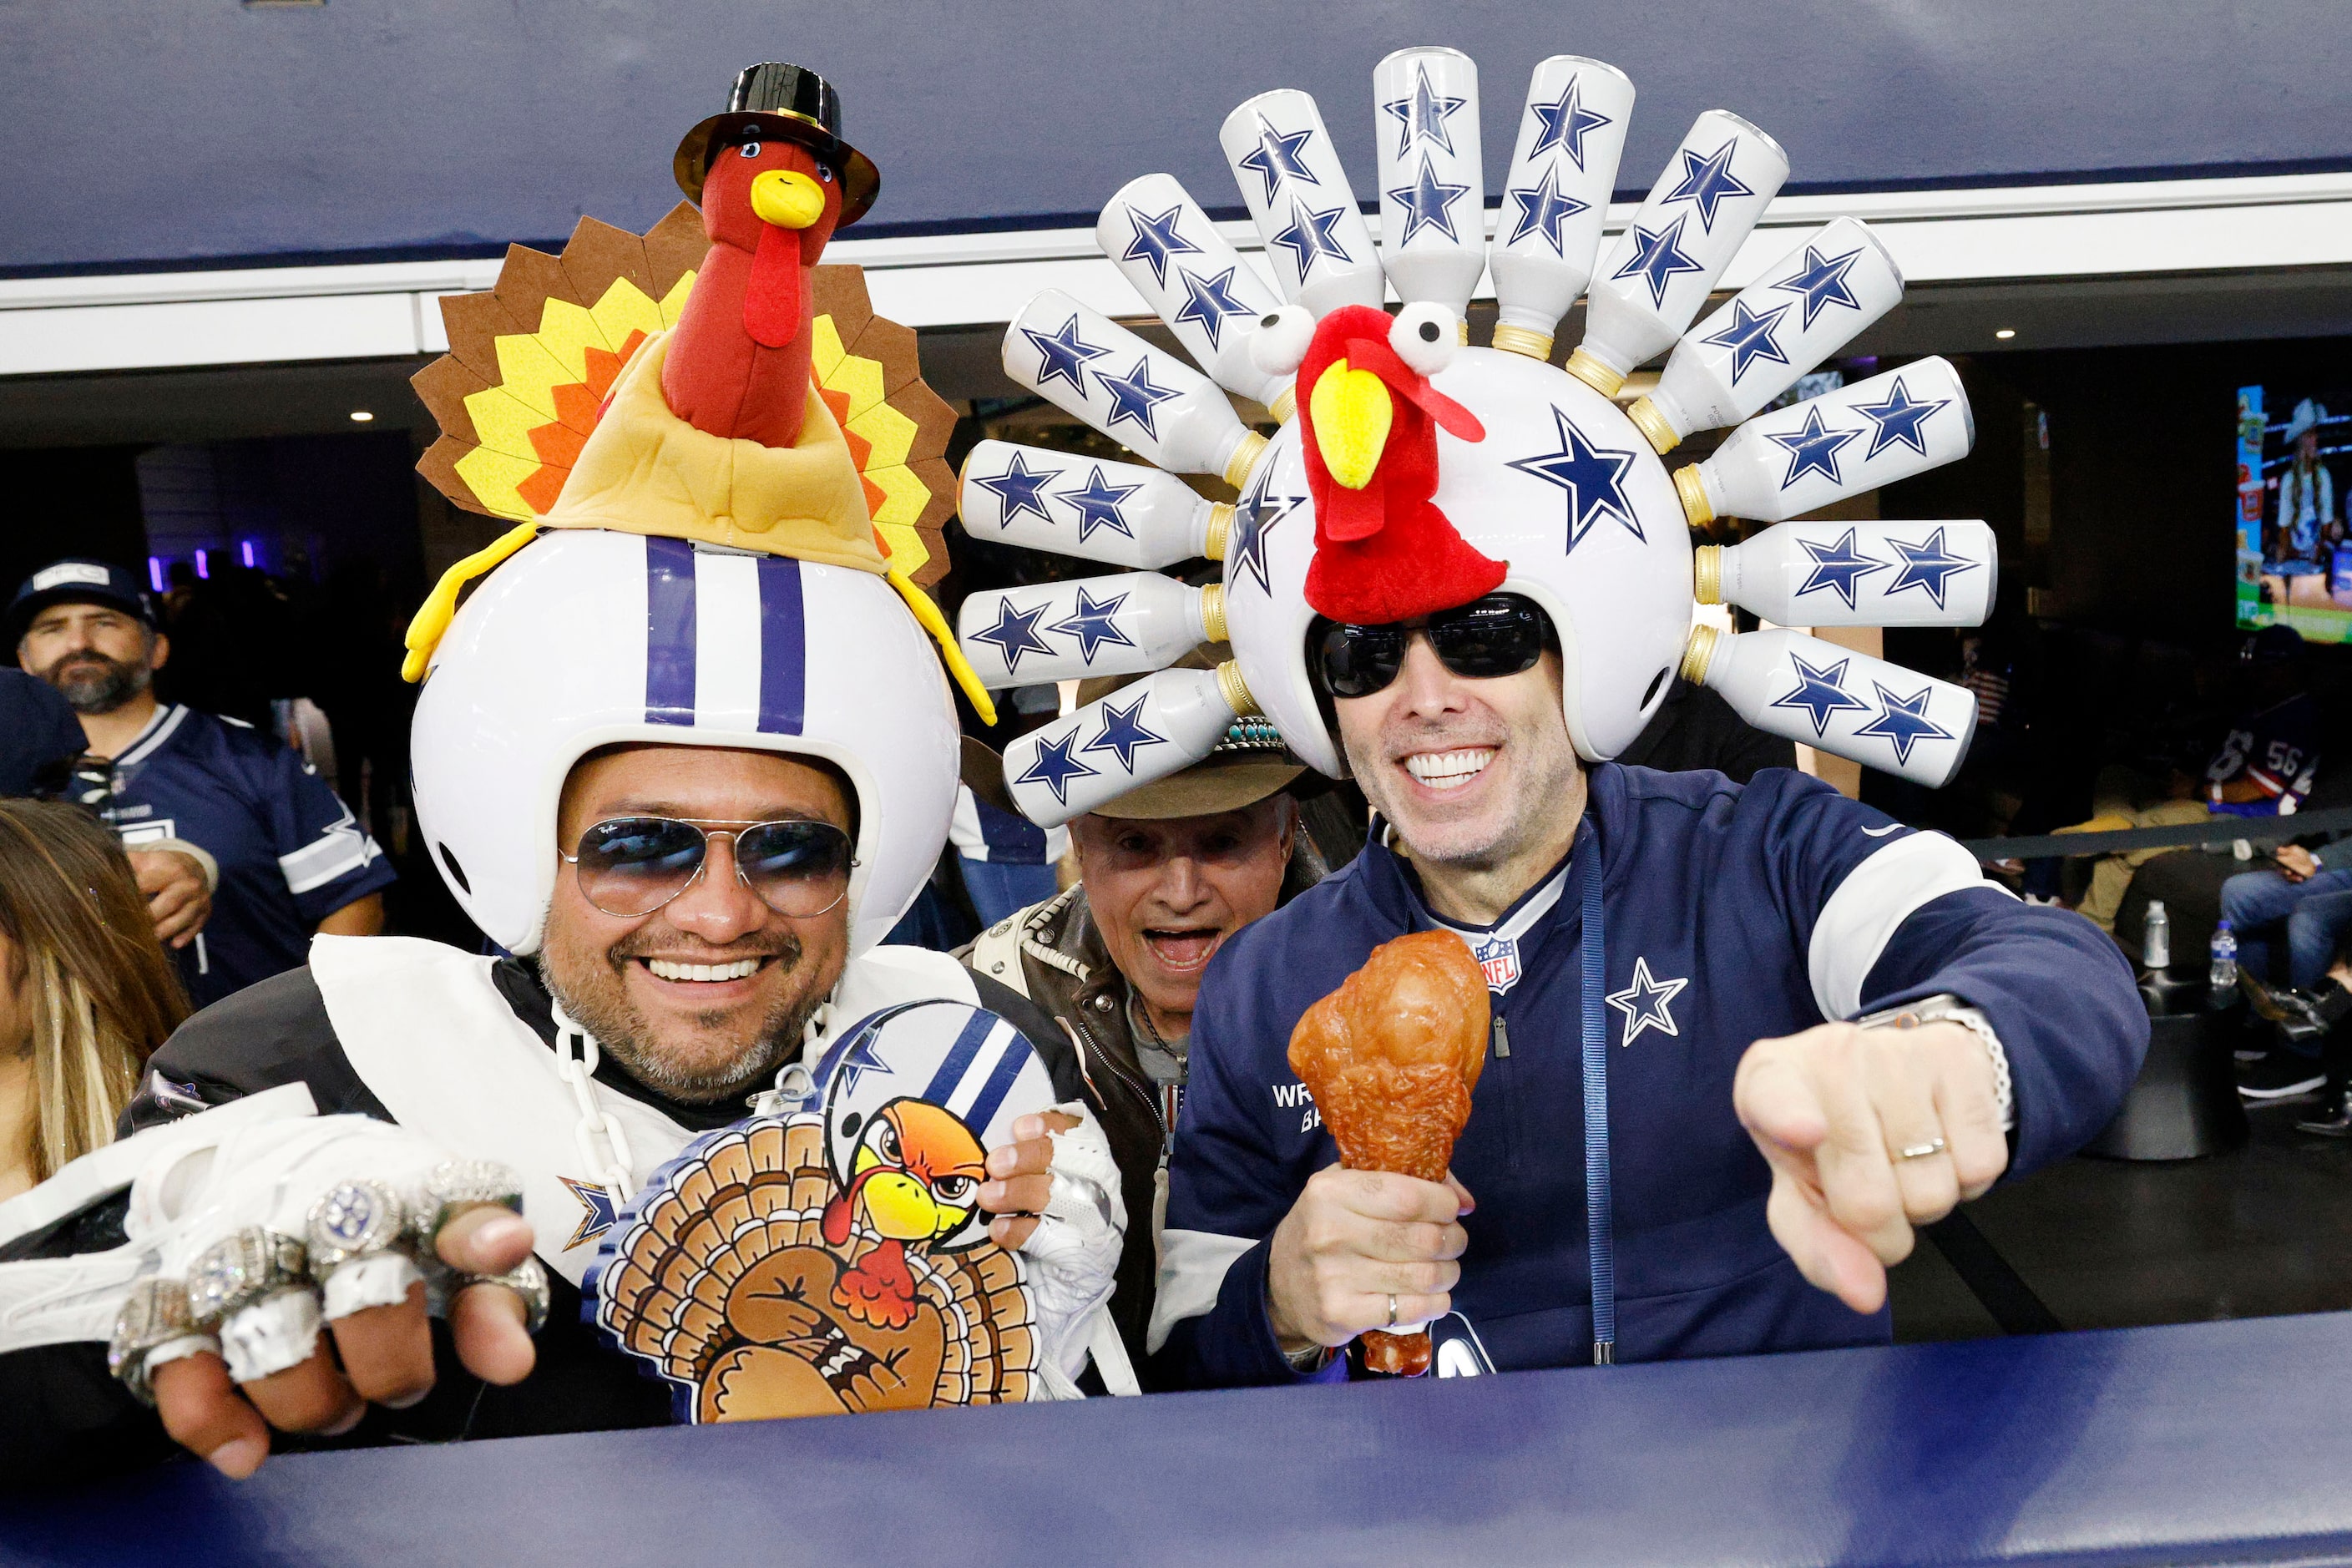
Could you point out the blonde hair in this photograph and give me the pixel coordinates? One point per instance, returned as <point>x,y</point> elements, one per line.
<point>96,984</point>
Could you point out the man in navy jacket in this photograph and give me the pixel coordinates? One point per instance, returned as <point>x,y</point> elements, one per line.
<point>1823,1029</point>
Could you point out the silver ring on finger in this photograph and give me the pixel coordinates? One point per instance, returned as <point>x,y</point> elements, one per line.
<point>239,1269</point>
<point>154,1314</point>
<point>527,1279</point>
<point>352,1220</point>
<point>454,1187</point>
<point>1392,1310</point>
<point>1920,1151</point>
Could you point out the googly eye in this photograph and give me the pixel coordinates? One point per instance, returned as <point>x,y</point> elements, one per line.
<point>748,149</point>
<point>1279,344</point>
<point>823,174</point>
<point>1425,336</point>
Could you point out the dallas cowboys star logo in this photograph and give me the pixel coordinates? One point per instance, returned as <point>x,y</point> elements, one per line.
<point>1123,732</point>
<point>1254,519</point>
<point>1820,694</point>
<point>1899,419</point>
<point>1593,477</point>
<point>1904,721</point>
<point>1016,633</point>
<point>1020,488</point>
<point>1426,201</point>
<point>1054,768</point>
<point>1821,281</point>
<point>1542,210</point>
<point>857,1061</point>
<point>1156,240</point>
<point>1564,124</point>
<point>1209,302</point>
<point>1097,503</point>
<point>1749,337</point>
<point>599,1214</point>
<point>1813,449</point>
<point>1657,258</point>
<point>1647,1003</point>
<point>1838,567</point>
<point>1064,354</point>
<point>1093,625</point>
<point>1134,397</point>
<point>1276,157</point>
<point>1708,181</point>
<point>1309,238</point>
<point>1927,565</point>
<point>1421,117</point>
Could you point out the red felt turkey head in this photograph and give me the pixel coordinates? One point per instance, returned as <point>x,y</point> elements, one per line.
<point>1369,419</point>
<point>779,203</point>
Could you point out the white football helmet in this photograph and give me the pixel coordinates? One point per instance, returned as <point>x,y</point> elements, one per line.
<point>586,638</point>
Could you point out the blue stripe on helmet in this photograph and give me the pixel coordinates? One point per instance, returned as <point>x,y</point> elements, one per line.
<point>960,1055</point>
<point>784,647</point>
<point>669,631</point>
<point>1017,1052</point>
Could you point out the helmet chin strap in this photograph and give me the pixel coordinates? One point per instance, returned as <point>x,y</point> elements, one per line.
<point>576,1056</point>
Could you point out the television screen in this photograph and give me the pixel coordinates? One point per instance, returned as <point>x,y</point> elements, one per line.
<point>2295,553</point>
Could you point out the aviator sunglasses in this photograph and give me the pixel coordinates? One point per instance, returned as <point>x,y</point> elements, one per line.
<point>1499,635</point>
<point>631,866</point>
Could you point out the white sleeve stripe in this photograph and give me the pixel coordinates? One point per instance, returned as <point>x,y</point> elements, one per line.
<point>1876,896</point>
<point>342,851</point>
<point>1192,1267</point>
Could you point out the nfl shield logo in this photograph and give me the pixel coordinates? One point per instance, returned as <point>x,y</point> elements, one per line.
<point>1499,957</point>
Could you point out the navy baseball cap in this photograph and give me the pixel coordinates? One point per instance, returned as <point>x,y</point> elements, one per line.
<point>76,583</point>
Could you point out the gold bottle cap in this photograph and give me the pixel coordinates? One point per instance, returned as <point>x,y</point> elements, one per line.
<point>1648,419</point>
<point>1595,373</point>
<point>1234,689</point>
<point>1707,567</point>
<point>1238,466</point>
<point>1693,489</point>
<point>1284,404</point>
<point>1212,612</point>
<point>1699,654</point>
<point>1220,530</point>
<point>1462,331</point>
<point>1522,340</point>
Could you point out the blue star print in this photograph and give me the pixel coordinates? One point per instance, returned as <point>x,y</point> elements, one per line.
<point>1211,301</point>
<point>598,1219</point>
<point>1133,397</point>
<point>1064,354</point>
<point>1927,565</point>
<point>860,1061</point>
<point>1423,116</point>
<point>1749,337</point>
<point>1093,622</point>
<point>1054,768</point>
<point>1123,733</point>
<point>1275,158</point>
<point>1904,721</point>
<point>1593,477</point>
<point>1014,633</point>
<point>1542,210</point>
<point>1644,1003</point>
<point>1254,519</point>
<point>1657,258</point>
<point>1813,449</point>
<point>1821,281</point>
<point>1308,238</point>
<point>1838,567</point>
<point>1820,693</point>
<point>1020,488</point>
<point>1899,419</point>
<point>1564,124</point>
<point>1156,240</point>
<point>1708,181</point>
<point>1426,201</point>
<point>1097,503</point>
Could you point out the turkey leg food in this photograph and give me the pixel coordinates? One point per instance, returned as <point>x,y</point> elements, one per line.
<point>1391,1057</point>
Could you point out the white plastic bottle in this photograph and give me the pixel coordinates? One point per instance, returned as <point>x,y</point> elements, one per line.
<point>1556,196</point>
<point>1156,233</point>
<point>1101,625</point>
<point>1136,736</point>
<point>2221,977</point>
<point>1837,701</point>
<point>1801,458</point>
<point>1122,514</point>
<point>1317,243</point>
<point>1433,182</point>
<point>2156,939</point>
<point>1856,573</point>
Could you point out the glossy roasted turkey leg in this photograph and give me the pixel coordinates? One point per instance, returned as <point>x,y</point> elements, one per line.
<point>1391,1057</point>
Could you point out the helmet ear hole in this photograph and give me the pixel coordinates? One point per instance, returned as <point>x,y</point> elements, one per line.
<point>1279,345</point>
<point>1424,335</point>
<point>1657,683</point>
<point>457,872</point>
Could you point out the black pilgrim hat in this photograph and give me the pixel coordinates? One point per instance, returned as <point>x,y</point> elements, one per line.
<point>773,99</point>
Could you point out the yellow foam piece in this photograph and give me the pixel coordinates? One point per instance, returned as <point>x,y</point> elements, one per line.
<point>567,332</point>
<point>528,371</point>
<point>503,423</point>
<point>937,625</point>
<point>494,476</point>
<point>626,309</point>
<point>904,496</point>
<point>862,379</point>
<point>824,347</point>
<point>908,555</point>
<point>432,619</point>
<point>673,304</point>
<point>1352,412</point>
<point>891,433</point>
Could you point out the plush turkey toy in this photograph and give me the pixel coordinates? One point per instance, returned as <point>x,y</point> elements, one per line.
<point>1383,549</point>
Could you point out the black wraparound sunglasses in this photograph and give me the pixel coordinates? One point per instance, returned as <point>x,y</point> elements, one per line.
<point>1499,635</point>
<point>631,866</point>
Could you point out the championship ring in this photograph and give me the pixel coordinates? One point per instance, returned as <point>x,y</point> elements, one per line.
<point>153,1315</point>
<point>527,1279</point>
<point>238,1270</point>
<point>456,1185</point>
<point>355,1220</point>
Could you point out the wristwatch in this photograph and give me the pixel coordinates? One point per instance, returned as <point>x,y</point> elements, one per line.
<point>1950,1009</point>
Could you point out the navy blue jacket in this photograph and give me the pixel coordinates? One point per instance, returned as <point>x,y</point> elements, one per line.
<point>1731,914</point>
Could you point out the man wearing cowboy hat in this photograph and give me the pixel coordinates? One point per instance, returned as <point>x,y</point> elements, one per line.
<point>1167,873</point>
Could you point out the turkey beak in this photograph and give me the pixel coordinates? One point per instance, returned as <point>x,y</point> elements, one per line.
<point>900,1206</point>
<point>1352,411</point>
<point>787,198</point>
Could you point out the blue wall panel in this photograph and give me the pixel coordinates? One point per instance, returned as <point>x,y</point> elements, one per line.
<point>136,131</point>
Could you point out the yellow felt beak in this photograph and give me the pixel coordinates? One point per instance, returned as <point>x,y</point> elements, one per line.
<point>787,198</point>
<point>1352,412</point>
<point>902,1208</point>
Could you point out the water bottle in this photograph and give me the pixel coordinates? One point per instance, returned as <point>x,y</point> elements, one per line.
<point>2222,977</point>
<point>2156,939</point>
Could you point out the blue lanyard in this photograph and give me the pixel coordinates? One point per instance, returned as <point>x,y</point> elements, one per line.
<point>1599,1227</point>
